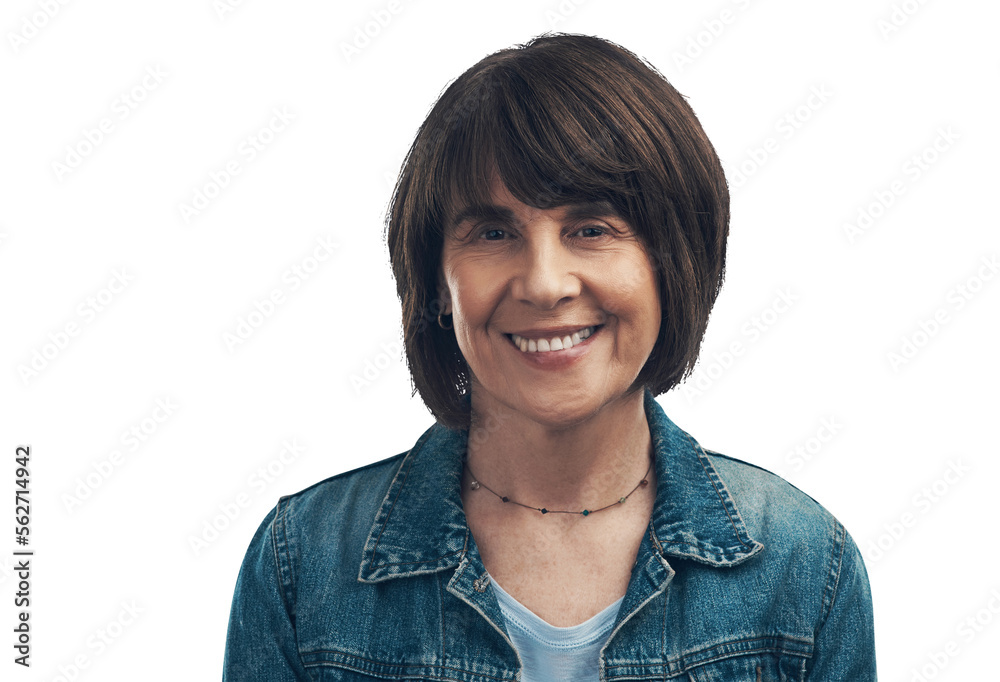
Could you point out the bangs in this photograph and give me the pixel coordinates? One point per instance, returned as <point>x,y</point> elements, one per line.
<point>543,142</point>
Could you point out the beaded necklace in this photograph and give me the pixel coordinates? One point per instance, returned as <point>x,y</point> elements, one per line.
<point>476,484</point>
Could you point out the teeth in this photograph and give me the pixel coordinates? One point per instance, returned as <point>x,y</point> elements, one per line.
<point>554,344</point>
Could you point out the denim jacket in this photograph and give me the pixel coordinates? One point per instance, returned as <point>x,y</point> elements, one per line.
<point>374,575</point>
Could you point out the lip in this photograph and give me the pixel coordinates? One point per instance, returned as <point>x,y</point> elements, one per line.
<point>560,359</point>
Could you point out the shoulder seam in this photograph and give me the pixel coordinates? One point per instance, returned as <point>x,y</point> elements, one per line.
<point>833,575</point>
<point>768,471</point>
<point>739,461</point>
<point>281,562</point>
<point>382,462</point>
<point>285,587</point>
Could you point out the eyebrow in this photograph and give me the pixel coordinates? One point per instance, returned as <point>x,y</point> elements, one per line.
<point>582,209</point>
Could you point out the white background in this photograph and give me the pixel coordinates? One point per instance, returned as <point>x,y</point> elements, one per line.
<point>908,460</point>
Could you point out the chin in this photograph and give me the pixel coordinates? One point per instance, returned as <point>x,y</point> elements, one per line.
<point>555,409</point>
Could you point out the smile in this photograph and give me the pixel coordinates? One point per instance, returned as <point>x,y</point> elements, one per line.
<point>556,343</point>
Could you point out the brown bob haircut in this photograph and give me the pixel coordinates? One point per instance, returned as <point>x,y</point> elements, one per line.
<point>562,119</point>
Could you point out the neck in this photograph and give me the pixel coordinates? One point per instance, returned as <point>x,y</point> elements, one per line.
<point>586,465</point>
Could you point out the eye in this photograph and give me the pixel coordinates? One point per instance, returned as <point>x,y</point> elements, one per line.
<point>592,231</point>
<point>491,234</point>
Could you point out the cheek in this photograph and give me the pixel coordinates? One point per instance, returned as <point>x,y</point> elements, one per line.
<point>653,313</point>
<point>471,306</point>
<point>634,296</point>
<point>473,299</point>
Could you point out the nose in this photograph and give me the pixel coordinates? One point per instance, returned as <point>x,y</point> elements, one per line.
<point>546,274</point>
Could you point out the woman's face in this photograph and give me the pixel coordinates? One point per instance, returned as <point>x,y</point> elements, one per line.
<point>523,282</point>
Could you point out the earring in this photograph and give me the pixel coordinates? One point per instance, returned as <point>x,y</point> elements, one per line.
<point>441,324</point>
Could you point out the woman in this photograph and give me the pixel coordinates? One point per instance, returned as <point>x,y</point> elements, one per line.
<point>558,238</point>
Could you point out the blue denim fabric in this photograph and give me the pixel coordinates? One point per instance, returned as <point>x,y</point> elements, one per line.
<point>373,574</point>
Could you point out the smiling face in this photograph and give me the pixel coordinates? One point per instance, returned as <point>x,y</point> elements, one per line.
<point>555,310</point>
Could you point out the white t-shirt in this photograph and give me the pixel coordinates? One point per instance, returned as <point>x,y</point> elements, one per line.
<point>554,654</point>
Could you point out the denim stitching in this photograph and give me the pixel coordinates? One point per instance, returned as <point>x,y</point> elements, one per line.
<point>285,522</point>
<point>280,519</point>
<point>409,465</point>
<point>418,561</point>
<point>701,460</point>
<point>663,634</point>
<point>441,614</point>
<point>777,649</point>
<point>833,579</point>
<point>408,461</point>
<point>347,655</point>
<point>399,492</point>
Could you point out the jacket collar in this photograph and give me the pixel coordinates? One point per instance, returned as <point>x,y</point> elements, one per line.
<point>421,526</point>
